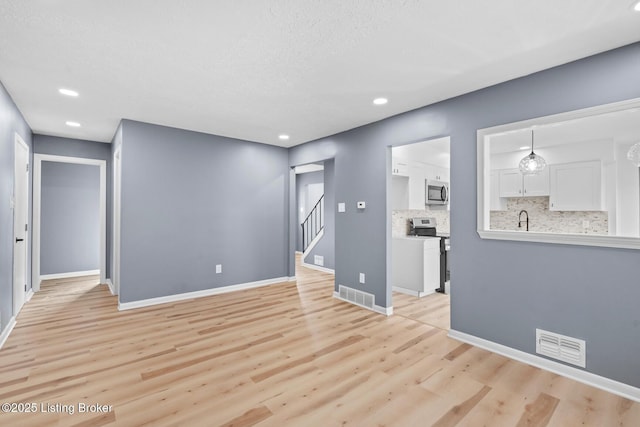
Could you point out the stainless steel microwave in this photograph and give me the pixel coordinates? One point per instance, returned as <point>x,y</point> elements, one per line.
<point>436,192</point>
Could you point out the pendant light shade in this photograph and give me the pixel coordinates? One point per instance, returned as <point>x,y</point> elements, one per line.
<point>532,164</point>
<point>634,154</point>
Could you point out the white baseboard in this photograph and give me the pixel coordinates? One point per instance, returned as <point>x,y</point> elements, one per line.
<point>111,288</point>
<point>198,294</point>
<point>292,279</point>
<point>412,292</point>
<point>387,311</point>
<point>318,268</point>
<point>7,331</point>
<point>615,387</point>
<point>29,295</point>
<point>70,274</point>
<point>299,252</point>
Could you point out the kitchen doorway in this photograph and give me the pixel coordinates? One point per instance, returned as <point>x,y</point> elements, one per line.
<point>419,207</point>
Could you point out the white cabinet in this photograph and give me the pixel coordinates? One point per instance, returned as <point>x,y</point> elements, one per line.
<point>416,185</point>
<point>415,268</point>
<point>496,202</point>
<point>399,167</point>
<point>513,184</point>
<point>575,186</point>
<point>437,173</point>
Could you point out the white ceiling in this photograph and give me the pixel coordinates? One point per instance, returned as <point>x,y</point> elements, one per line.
<point>255,69</point>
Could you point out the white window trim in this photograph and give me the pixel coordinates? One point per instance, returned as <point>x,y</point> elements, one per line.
<point>484,176</point>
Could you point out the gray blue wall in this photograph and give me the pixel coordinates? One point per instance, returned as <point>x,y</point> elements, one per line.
<point>501,291</point>
<point>326,245</point>
<point>191,201</point>
<point>11,121</point>
<point>44,144</point>
<point>70,218</point>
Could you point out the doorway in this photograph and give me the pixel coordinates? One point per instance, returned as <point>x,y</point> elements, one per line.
<point>39,159</point>
<point>20,203</point>
<point>420,278</point>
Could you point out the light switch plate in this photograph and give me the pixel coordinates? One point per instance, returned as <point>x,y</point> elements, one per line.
<point>361,277</point>
<point>341,207</point>
<point>218,268</point>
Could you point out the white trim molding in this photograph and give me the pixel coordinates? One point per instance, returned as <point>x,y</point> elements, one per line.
<point>387,311</point>
<point>576,374</point>
<point>69,274</point>
<point>318,268</point>
<point>29,295</point>
<point>37,198</point>
<point>412,292</point>
<point>484,173</point>
<point>7,331</point>
<point>292,279</point>
<point>111,288</point>
<point>199,294</point>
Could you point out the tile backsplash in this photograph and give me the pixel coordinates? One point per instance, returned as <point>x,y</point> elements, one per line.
<point>541,219</point>
<point>400,220</point>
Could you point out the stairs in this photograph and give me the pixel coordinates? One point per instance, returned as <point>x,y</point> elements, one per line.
<point>312,227</point>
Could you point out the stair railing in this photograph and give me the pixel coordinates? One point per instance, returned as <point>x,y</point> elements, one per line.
<point>313,224</point>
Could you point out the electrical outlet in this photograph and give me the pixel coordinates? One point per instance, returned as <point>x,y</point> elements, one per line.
<point>361,277</point>
<point>218,268</point>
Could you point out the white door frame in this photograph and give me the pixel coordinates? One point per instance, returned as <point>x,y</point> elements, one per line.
<point>115,250</point>
<point>37,198</point>
<point>19,291</point>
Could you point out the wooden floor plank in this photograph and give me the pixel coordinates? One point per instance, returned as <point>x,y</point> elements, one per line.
<point>285,354</point>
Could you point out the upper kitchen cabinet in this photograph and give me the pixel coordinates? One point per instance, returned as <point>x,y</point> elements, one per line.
<point>513,184</point>
<point>576,186</point>
<point>399,167</point>
<point>437,173</point>
<point>416,185</point>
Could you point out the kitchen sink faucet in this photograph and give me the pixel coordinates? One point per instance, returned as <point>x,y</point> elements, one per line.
<point>520,218</point>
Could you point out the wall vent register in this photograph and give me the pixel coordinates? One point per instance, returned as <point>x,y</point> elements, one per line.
<point>560,347</point>
<point>357,297</point>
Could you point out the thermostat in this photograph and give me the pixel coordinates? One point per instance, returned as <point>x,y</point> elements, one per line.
<point>361,205</point>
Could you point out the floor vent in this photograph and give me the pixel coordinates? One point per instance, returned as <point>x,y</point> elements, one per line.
<point>357,297</point>
<point>567,349</point>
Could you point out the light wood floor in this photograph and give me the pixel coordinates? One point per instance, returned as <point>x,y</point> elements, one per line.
<point>283,355</point>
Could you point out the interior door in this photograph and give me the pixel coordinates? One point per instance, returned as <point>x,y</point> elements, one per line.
<point>20,223</point>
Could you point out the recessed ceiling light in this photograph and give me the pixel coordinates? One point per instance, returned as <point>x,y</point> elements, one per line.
<point>524,147</point>
<point>637,7</point>
<point>380,101</point>
<point>283,137</point>
<point>73,124</point>
<point>68,92</point>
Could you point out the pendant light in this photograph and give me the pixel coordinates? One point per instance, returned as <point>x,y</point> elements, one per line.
<point>532,164</point>
<point>634,154</point>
